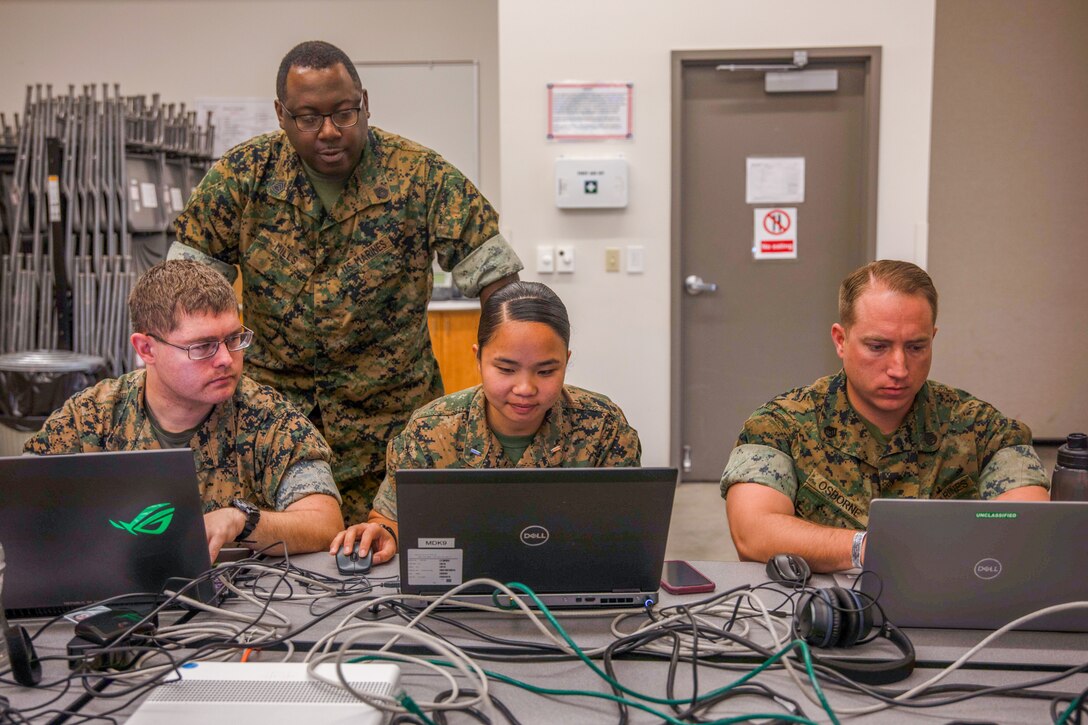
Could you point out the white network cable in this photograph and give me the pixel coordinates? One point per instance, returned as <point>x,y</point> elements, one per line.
<point>454,655</point>
<point>919,689</point>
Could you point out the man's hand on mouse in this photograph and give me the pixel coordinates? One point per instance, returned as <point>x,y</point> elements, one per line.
<point>369,535</point>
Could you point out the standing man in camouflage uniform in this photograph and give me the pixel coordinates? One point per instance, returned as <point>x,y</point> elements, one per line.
<point>263,470</point>
<point>335,226</point>
<point>522,416</point>
<point>809,462</point>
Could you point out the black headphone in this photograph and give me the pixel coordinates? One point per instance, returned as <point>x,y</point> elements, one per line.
<point>26,668</point>
<point>837,617</point>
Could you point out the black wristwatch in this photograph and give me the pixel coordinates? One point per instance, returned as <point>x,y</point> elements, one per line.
<point>253,515</point>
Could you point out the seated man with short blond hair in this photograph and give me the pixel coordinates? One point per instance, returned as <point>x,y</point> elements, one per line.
<point>809,462</point>
<point>263,468</point>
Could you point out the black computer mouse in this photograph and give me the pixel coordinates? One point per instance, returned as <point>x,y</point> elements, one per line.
<point>788,569</point>
<point>352,564</point>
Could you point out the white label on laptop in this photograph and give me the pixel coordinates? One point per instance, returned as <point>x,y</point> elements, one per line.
<point>433,567</point>
<point>425,543</point>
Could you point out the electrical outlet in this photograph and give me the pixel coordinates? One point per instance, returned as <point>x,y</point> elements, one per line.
<point>545,259</point>
<point>564,261</point>
<point>612,259</point>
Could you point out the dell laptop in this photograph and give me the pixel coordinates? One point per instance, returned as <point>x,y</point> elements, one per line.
<point>80,528</point>
<point>578,537</point>
<point>977,564</point>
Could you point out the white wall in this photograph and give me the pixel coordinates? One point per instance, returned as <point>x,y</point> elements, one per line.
<point>185,49</point>
<point>621,333</point>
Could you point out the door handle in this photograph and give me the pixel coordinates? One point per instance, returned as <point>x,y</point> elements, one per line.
<point>695,285</point>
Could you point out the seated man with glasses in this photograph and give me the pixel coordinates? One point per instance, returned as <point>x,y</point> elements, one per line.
<point>336,225</point>
<point>262,466</point>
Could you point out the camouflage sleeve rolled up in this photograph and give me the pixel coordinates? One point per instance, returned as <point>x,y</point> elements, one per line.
<point>752,463</point>
<point>1006,457</point>
<point>303,479</point>
<point>464,230</point>
<point>488,263</point>
<point>1011,468</point>
<point>273,438</point>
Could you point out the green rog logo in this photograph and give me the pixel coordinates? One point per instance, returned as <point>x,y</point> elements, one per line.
<point>152,520</point>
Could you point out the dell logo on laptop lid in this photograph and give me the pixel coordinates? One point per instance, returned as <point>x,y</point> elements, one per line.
<point>534,535</point>
<point>988,569</point>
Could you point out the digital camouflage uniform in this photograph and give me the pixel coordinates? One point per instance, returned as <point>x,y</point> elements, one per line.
<point>242,450</point>
<point>582,430</point>
<point>812,445</point>
<point>338,298</point>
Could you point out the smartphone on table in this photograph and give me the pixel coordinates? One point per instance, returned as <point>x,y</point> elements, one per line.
<point>680,577</point>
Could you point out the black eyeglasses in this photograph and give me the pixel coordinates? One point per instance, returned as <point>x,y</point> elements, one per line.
<point>311,122</point>
<point>205,350</point>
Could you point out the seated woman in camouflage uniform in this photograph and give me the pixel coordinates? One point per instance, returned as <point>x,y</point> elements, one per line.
<point>521,416</point>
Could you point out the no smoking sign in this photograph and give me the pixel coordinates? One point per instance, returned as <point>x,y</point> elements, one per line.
<point>775,233</point>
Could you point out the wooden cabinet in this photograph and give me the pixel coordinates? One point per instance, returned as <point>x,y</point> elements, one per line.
<point>453,332</point>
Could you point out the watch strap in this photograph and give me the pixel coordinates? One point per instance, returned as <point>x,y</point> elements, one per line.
<point>252,514</point>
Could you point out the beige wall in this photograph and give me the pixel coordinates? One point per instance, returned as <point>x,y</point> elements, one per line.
<point>1009,207</point>
<point>620,322</point>
<point>184,49</point>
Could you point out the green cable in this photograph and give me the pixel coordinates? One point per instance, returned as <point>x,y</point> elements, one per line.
<point>806,657</point>
<point>803,646</point>
<point>411,706</point>
<point>537,690</point>
<point>1073,704</point>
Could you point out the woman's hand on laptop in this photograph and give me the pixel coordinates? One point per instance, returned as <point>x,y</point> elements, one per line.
<point>369,535</point>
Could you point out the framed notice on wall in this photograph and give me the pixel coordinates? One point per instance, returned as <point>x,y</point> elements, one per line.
<point>589,111</point>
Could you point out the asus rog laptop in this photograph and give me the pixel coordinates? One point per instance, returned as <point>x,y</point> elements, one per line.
<point>80,528</point>
<point>578,537</point>
<point>977,564</point>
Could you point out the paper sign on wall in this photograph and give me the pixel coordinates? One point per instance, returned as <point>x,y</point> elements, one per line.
<point>775,233</point>
<point>237,119</point>
<point>775,180</point>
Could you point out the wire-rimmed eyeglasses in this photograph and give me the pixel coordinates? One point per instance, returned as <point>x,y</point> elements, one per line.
<point>311,122</point>
<point>205,350</point>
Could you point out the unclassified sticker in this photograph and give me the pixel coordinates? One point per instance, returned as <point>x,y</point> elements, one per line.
<point>435,567</point>
<point>433,543</point>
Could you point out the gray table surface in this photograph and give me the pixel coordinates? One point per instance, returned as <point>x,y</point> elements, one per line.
<point>1017,657</point>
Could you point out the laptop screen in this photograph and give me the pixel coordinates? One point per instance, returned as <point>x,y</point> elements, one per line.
<point>597,534</point>
<point>80,528</point>
<point>977,564</point>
